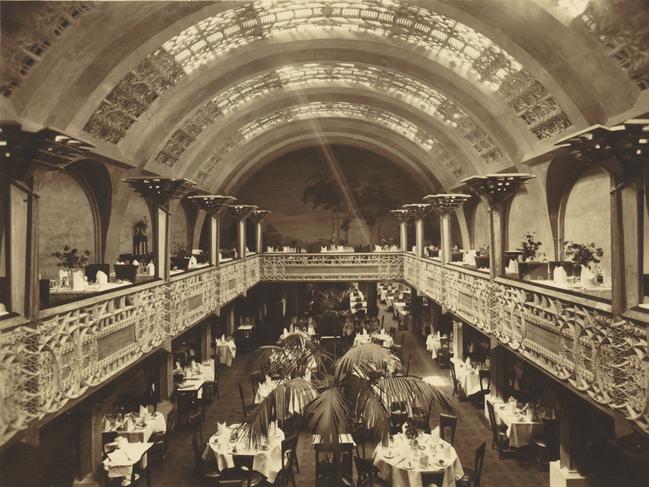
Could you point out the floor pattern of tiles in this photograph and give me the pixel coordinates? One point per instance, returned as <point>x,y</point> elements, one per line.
<point>177,470</point>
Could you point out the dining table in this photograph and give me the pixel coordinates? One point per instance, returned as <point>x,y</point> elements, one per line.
<point>434,344</point>
<point>522,428</point>
<point>362,338</point>
<point>195,377</point>
<point>120,461</point>
<point>136,427</point>
<point>402,461</point>
<point>467,375</point>
<point>229,441</point>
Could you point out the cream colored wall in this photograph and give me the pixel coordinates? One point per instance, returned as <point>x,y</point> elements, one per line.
<point>588,214</point>
<point>525,216</point>
<point>178,228</point>
<point>65,218</point>
<point>481,225</point>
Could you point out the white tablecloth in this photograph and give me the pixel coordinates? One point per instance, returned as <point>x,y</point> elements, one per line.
<point>363,338</point>
<point>154,423</point>
<point>196,378</point>
<point>266,461</point>
<point>401,465</point>
<point>520,430</point>
<point>226,351</point>
<point>120,461</point>
<point>468,377</point>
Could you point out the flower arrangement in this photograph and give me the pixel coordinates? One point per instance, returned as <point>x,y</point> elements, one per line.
<point>70,258</point>
<point>583,254</point>
<point>530,246</point>
<point>411,431</point>
<point>181,251</point>
<point>483,251</point>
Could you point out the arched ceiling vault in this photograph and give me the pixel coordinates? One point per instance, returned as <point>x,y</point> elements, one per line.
<point>242,163</point>
<point>304,138</point>
<point>240,128</point>
<point>518,74</point>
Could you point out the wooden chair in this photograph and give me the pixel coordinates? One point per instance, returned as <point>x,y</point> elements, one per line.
<point>243,461</point>
<point>239,477</point>
<point>255,379</point>
<point>365,470</point>
<point>207,470</point>
<point>499,438</point>
<point>196,424</point>
<point>447,427</point>
<point>397,348</point>
<point>484,376</point>
<point>404,370</point>
<point>289,448</point>
<point>360,436</point>
<point>472,476</point>
<point>458,390</point>
<point>108,437</point>
<point>334,466</point>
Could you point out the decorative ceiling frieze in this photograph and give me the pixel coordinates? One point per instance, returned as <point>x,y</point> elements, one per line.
<point>439,153</point>
<point>453,44</point>
<point>406,89</point>
<point>27,37</point>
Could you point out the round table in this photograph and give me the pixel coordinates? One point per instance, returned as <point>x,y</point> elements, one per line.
<point>267,459</point>
<point>402,465</point>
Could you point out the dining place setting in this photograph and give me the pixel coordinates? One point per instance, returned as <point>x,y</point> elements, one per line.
<point>231,441</point>
<point>467,373</point>
<point>524,422</point>
<point>404,457</point>
<point>226,350</point>
<point>135,426</point>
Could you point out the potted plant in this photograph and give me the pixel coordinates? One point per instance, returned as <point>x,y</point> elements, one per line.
<point>584,255</point>
<point>72,261</point>
<point>482,257</point>
<point>529,268</point>
<point>456,253</point>
<point>180,257</point>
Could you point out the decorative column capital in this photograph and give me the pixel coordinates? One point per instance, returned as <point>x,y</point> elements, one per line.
<point>623,149</point>
<point>446,203</point>
<point>213,204</point>
<point>258,215</point>
<point>417,210</point>
<point>22,151</point>
<point>159,191</point>
<point>402,215</point>
<point>242,211</point>
<point>499,187</point>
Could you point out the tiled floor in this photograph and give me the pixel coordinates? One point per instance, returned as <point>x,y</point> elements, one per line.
<point>472,430</point>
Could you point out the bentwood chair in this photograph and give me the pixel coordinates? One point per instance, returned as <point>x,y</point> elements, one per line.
<point>365,470</point>
<point>458,390</point>
<point>246,407</point>
<point>499,438</point>
<point>239,477</point>
<point>447,427</point>
<point>546,447</point>
<point>206,469</point>
<point>289,449</point>
<point>472,475</point>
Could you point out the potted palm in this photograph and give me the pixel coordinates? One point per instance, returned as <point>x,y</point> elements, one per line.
<point>356,391</point>
<point>180,257</point>
<point>72,261</point>
<point>584,255</point>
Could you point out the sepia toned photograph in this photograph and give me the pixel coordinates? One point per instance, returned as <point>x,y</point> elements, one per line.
<point>333,243</point>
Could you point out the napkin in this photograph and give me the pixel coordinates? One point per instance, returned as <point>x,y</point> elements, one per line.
<point>268,379</point>
<point>121,442</point>
<point>512,267</point>
<point>468,361</point>
<point>559,276</point>
<point>285,332</point>
<point>221,428</point>
<point>3,309</point>
<point>105,425</point>
<point>193,262</point>
<point>128,424</point>
<point>144,412</point>
<point>150,269</point>
<point>101,278</point>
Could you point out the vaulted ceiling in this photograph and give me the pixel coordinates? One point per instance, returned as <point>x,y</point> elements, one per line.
<point>211,90</point>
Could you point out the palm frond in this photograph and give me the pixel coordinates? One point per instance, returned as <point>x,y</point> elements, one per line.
<point>289,395</point>
<point>415,393</point>
<point>364,360</point>
<point>328,415</point>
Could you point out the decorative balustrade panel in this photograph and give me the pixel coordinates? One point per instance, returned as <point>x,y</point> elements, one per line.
<point>605,358</point>
<point>192,298</point>
<point>377,266</point>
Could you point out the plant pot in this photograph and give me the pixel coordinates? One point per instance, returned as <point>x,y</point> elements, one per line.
<point>433,253</point>
<point>457,256</point>
<point>482,261</point>
<point>533,271</point>
<point>180,263</point>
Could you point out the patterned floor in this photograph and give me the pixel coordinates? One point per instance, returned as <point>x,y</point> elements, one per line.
<point>472,430</point>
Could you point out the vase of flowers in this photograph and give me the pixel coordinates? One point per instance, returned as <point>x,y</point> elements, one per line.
<point>412,433</point>
<point>585,255</point>
<point>530,246</point>
<point>73,261</point>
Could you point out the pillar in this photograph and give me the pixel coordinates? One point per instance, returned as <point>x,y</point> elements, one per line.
<point>446,237</point>
<point>498,229</point>
<point>259,247</point>
<point>403,236</point>
<point>241,237</point>
<point>419,237</point>
<point>206,340</point>
<point>498,368</point>
<point>161,239</point>
<point>458,339</point>
<point>214,240</point>
<point>166,370</point>
<point>564,473</point>
<point>229,320</point>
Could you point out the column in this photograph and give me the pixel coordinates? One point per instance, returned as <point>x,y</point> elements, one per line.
<point>214,240</point>
<point>257,216</point>
<point>161,242</point>
<point>403,216</point>
<point>166,370</point>
<point>564,473</point>
<point>418,211</point>
<point>206,340</point>
<point>241,212</point>
<point>498,189</point>
<point>445,204</point>
<point>213,204</point>
<point>446,237</point>
<point>458,340</point>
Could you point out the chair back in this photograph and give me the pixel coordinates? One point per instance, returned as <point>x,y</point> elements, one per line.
<point>243,399</point>
<point>485,375</point>
<point>492,421</point>
<point>106,438</point>
<point>243,461</point>
<point>447,426</point>
<point>364,468</point>
<point>198,458</point>
<point>479,461</point>
<point>234,477</point>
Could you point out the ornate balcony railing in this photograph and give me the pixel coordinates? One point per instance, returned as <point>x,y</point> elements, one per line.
<point>77,346</point>
<point>575,339</point>
<point>377,266</point>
